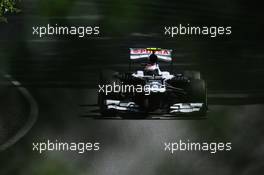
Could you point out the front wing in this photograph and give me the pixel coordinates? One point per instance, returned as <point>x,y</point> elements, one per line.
<point>132,107</point>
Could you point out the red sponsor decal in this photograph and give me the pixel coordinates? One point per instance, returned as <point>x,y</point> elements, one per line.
<point>145,51</point>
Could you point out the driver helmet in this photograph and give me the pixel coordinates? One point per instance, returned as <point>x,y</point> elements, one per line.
<point>152,63</point>
<point>153,58</point>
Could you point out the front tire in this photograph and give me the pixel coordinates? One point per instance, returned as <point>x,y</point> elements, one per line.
<point>107,78</point>
<point>198,94</point>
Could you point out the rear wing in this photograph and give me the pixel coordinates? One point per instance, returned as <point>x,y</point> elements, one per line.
<point>142,53</point>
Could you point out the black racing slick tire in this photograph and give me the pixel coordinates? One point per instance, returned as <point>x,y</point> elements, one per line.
<point>107,77</point>
<point>198,94</point>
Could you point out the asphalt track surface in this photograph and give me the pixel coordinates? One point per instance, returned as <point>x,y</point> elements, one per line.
<point>137,146</point>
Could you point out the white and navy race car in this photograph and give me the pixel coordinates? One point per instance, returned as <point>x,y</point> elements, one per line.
<point>150,90</point>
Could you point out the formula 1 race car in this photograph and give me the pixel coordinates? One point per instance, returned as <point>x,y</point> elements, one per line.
<point>151,90</point>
